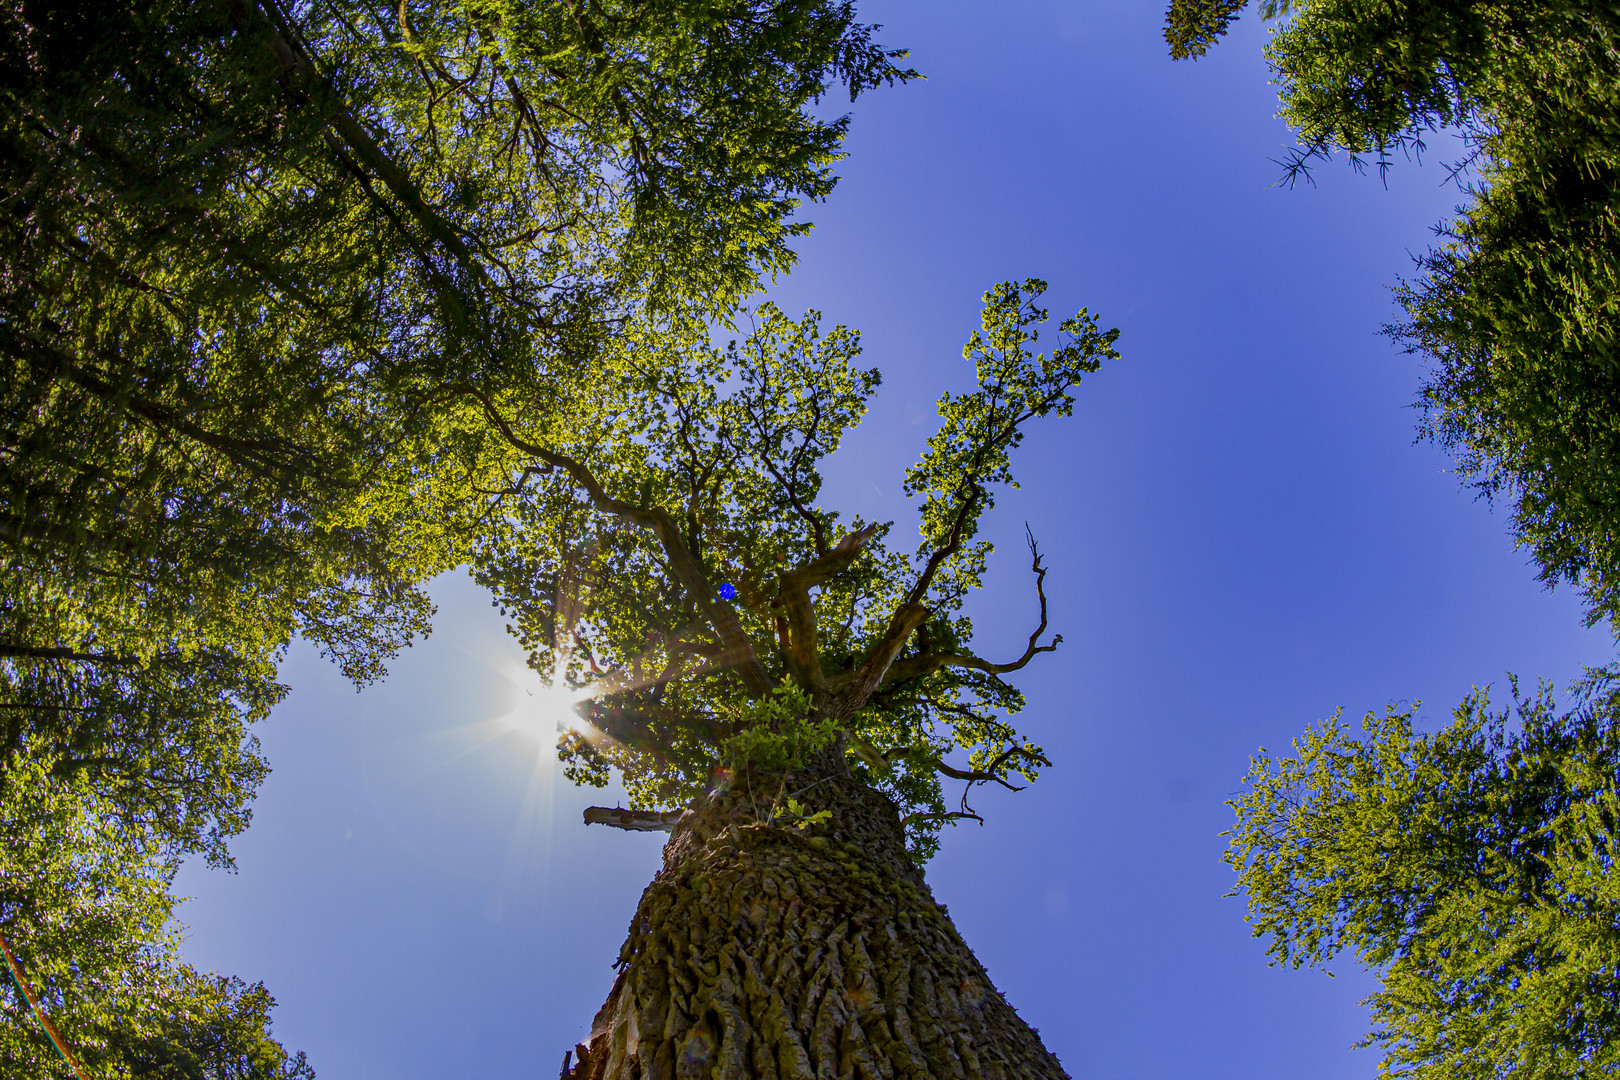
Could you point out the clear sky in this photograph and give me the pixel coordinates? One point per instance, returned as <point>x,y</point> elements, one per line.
<point>1242,538</point>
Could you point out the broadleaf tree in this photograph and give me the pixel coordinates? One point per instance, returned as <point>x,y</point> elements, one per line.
<point>248,252</point>
<point>1472,869</point>
<point>785,689</point>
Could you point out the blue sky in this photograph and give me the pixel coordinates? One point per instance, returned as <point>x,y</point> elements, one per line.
<point>1242,538</point>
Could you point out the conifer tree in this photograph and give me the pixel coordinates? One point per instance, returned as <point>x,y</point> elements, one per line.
<point>1513,311</point>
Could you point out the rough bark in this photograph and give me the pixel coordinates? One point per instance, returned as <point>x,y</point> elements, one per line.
<point>763,950</point>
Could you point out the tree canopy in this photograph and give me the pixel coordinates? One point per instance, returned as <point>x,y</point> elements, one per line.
<point>256,260</point>
<point>1472,869</point>
<point>1514,309</point>
<point>671,560</point>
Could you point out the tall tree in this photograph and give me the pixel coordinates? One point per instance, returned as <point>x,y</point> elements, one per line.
<point>1515,309</point>
<point>1471,869</point>
<point>780,689</point>
<point>257,261</point>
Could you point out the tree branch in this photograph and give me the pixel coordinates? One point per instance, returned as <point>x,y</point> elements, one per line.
<point>685,568</point>
<point>981,776</point>
<point>634,820</point>
<point>34,652</point>
<point>303,80</point>
<point>947,816</point>
<point>914,666</point>
<point>802,646</point>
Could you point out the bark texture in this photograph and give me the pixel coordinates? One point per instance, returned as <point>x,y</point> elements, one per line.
<point>765,951</point>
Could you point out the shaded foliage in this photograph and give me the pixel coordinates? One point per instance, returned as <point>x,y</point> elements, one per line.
<point>1515,309</point>
<point>256,262</point>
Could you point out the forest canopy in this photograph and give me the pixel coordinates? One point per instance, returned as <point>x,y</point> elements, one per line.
<point>257,263</point>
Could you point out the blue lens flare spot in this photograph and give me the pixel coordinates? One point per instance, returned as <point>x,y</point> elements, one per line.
<point>728,592</point>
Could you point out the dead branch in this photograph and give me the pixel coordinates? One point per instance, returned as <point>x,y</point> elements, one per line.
<point>634,820</point>
<point>946,816</point>
<point>912,667</point>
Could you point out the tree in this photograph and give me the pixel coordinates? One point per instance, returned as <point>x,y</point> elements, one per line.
<point>87,915</point>
<point>1472,869</point>
<point>1514,311</point>
<point>780,689</point>
<point>252,258</point>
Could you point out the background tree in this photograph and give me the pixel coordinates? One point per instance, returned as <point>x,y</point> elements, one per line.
<point>1515,309</point>
<point>249,253</point>
<point>780,688</point>
<point>87,913</point>
<point>1472,869</point>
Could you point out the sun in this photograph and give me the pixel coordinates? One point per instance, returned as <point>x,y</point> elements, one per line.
<point>545,711</point>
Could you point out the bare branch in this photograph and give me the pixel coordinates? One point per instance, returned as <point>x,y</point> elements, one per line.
<point>947,816</point>
<point>912,667</point>
<point>634,820</point>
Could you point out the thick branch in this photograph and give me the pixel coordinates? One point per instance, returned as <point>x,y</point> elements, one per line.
<point>302,79</point>
<point>975,776</point>
<point>34,652</point>
<point>858,688</point>
<point>682,564</point>
<point>273,457</point>
<point>803,647</point>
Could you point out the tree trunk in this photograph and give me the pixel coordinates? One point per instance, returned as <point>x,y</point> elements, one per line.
<point>764,950</point>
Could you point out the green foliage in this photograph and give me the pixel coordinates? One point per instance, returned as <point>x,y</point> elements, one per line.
<point>775,733</point>
<point>260,267</point>
<point>1192,26</point>
<point>1514,310</point>
<point>85,906</point>
<point>210,1028</point>
<point>698,465</point>
<point>1473,869</point>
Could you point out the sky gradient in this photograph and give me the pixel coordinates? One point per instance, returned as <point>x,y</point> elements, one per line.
<point>1242,538</point>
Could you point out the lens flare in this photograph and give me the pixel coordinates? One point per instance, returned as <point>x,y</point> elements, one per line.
<point>546,711</point>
